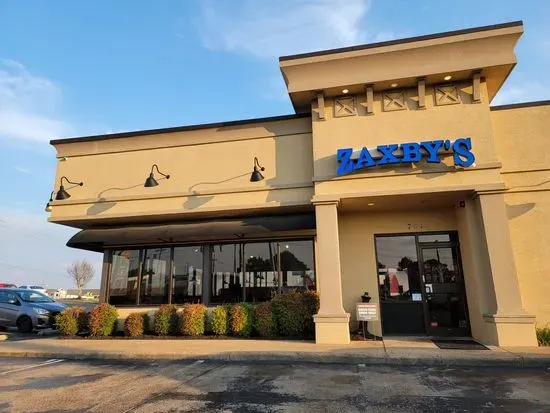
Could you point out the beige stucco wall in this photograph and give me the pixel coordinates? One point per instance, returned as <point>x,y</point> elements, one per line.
<point>357,253</point>
<point>522,137</point>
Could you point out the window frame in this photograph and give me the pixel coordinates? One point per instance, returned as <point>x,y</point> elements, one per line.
<point>206,274</point>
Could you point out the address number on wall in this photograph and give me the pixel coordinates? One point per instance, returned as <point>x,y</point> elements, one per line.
<point>415,226</point>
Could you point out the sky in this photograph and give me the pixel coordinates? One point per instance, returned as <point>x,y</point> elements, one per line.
<point>75,68</point>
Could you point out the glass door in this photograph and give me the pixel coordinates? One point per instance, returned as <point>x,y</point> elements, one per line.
<point>444,294</point>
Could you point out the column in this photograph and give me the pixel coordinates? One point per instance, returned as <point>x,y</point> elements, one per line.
<point>105,269</point>
<point>509,325</point>
<point>331,322</point>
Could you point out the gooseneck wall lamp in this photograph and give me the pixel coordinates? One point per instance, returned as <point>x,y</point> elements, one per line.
<point>49,204</point>
<point>62,193</point>
<point>151,181</point>
<point>256,174</point>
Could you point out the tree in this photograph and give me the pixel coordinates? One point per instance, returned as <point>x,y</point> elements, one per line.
<point>81,273</point>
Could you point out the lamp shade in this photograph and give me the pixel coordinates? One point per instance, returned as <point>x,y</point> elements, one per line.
<point>150,182</point>
<point>48,207</point>
<point>62,194</point>
<point>256,175</point>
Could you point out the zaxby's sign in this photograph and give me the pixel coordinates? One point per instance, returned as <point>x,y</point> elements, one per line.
<point>350,161</point>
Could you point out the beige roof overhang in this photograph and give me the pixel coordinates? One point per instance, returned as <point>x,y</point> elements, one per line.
<point>488,49</point>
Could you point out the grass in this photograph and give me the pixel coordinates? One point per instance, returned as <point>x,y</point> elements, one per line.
<point>543,336</point>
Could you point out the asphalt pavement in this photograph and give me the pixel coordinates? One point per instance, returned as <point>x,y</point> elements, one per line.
<point>57,385</point>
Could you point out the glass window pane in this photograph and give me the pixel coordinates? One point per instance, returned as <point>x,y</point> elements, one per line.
<point>434,238</point>
<point>124,277</point>
<point>398,273</point>
<point>187,283</point>
<point>155,276</point>
<point>226,279</point>
<point>297,265</point>
<point>261,276</point>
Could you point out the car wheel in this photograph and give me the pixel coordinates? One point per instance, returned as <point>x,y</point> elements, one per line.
<point>24,324</point>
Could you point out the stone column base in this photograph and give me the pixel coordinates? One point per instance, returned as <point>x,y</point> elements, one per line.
<point>511,330</point>
<point>332,328</point>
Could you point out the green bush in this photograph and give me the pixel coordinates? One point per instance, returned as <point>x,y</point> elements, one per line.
<point>165,320</point>
<point>543,336</point>
<point>264,321</point>
<point>294,313</point>
<point>71,321</point>
<point>241,319</point>
<point>134,325</point>
<point>217,320</point>
<point>103,320</point>
<point>192,320</point>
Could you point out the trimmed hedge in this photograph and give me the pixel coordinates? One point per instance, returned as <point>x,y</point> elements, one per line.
<point>241,319</point>
<point>135,324</point>
<point>294,313</point>
<point>165,320</point>
<point>218,321</point>
<point>543,336</point>
<point>192,319</point>
<point>103,320</point>
<point>71,321</point>
<point>264,321</point>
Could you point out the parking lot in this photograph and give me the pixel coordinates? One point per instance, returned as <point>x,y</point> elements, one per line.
<point>35,385</point>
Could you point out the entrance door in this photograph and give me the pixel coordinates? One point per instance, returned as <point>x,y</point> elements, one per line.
<point>444,295</point>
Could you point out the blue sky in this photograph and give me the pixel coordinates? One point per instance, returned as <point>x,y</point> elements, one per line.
<point>73,68</point>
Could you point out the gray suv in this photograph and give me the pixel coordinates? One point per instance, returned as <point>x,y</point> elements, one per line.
<point>27,309</point>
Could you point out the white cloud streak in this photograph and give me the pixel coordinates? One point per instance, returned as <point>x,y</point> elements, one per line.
<point>521,91</point>
<point>29,105</point>
<point>269,29</point>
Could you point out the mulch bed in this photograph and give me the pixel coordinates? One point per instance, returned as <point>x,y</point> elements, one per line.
<point>204,337</point>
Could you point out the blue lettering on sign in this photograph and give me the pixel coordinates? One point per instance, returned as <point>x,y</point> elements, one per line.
<point>407,153</point>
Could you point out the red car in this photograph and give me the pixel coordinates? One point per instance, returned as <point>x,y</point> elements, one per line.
<point>3,285</point>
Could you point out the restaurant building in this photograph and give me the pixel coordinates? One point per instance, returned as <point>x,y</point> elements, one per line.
<point>395,177</point>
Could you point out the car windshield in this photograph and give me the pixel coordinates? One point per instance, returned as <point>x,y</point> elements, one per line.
<point>34,297</point>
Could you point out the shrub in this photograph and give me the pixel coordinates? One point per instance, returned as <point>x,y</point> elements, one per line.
<point>294,313</point>
<point>165,320</point>
<point>241,319</point>
<point>192,319</point>
<point>217,320</point>
<point>103,320</point>
<point>543,336</point>
<point>71,320</point>
<point>134,325</point>
<point>264,321</point>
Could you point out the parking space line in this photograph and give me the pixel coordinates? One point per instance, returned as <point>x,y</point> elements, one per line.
<point>33,366</point>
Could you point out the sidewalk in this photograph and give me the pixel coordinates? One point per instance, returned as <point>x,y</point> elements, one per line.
<point>389,351</point>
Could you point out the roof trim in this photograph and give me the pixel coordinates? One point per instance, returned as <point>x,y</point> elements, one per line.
<point>179,129</point>
<point>521,105</point>
<point>401,41</point>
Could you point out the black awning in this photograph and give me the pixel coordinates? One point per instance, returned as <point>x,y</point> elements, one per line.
<point>96,239</point>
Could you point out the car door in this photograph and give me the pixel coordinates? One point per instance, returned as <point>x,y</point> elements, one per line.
<point>9,308</point>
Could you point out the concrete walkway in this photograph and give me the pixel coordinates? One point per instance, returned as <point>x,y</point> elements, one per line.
<point>389,351</point>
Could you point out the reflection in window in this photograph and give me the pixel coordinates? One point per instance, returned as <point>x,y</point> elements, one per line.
<point>226,281</point>
<point>155,276</point>
<point>187,282</point>
<point>124,277</point>
<point>398,273</point>
<point>261,275</point>
<point>297,265</point>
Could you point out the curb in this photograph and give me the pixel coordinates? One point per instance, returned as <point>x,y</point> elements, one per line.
<point>517,361</point>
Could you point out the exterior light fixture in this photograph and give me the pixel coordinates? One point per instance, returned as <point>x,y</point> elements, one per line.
<point>256,174</point>
<point>345,91</point>
<point>62,194</point>
<point>370,204</point>
<point>448,77</point>
<point>394,84</point>
<point>151,181</point>
<point>49,205</point>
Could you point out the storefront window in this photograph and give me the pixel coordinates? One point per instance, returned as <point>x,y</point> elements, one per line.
<point>261,276</point>
<point>155,276</point>
<point>398,274</point>
<point>226,280</point>
<point>187,281</point>
<point>297,265</point>
<point>124,277</point>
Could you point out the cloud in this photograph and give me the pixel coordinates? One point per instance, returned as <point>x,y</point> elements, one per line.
<point>521,91</point>
<point>33,251</point>
<point>29,105</point>
<point>271,29</point>
<point>22,170</point>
